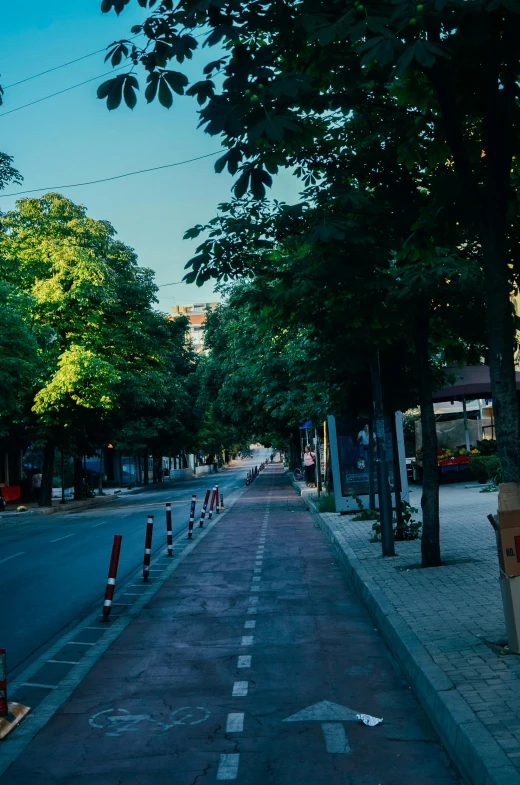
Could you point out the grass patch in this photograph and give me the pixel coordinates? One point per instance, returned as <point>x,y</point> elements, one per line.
<point>326,503</point>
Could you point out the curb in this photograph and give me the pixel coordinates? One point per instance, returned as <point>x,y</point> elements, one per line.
<point>477,756</point>
<point>12,517</point>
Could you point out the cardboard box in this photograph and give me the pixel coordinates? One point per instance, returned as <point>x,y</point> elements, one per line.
<point>509,519</point>
<point>509,551</point>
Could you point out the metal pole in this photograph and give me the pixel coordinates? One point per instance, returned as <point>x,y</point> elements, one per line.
<point>466,425</point>
<point>192,516</point>
<point>169,534</point>
<point>112,574</point>
<point>385,500</point>
<point>204,508</point>
<point>217,507</point>
<point>222,502</point>
<point>318,462</point>
<point>147,548</point>
<point>62,478</point>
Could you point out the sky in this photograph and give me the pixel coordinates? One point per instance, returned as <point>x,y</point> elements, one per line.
<point>72,138</point>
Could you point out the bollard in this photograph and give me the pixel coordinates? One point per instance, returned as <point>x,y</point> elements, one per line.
<point>112,573</point>
<point>4,709</point>
<point>222,502</point>
<point>210,516</point>
<point>217,508</point>
<point>204,508</point>
<point>169,534</point>
<point>192,516</point>
<point>147,548</point>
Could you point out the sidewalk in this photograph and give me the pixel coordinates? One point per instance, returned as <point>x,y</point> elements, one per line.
<point>440,625</point>
<point>250,663</point>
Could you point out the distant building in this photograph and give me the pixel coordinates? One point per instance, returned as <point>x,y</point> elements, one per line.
<point>196,315</point>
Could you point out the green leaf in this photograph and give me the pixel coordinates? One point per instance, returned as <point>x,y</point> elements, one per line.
<point>423,56</point>
<point>112,90</point>
<point>242,184</point>
<point>176,80</point>
<point>153,84</point>
<point>404,61</point>
<point>129,91</point>
<point>165,94</point>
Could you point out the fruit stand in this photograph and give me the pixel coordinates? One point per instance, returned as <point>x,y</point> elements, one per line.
<point>453,464</point>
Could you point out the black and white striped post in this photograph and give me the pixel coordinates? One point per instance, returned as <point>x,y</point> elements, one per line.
<point>169,533</point>
<point>147,548</point>
<point>112,574</point>
<point>4,708</point>
<point>212,502</point>
<point>222,502</point>
<point>192,516</point>
<point>204,508</point>
<point>217,508</point>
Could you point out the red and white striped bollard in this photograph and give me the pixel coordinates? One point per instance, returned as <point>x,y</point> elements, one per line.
<point>147,548</point>
<point>112,574</point>
<point>210,515</point>
<point>192,516</point>
<point>217,508</point>
<point>169,534</point>
<point>204,508</point>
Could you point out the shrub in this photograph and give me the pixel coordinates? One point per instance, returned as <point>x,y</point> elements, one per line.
<point>487,447</point>
<point>486,467</point>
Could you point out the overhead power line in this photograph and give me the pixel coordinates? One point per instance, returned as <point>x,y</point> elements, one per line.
<point>66,90</point>
<point>108,179</point>
<point>174,283</point>
<point>63,65</point>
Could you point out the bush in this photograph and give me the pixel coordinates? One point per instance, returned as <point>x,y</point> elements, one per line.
<point>487,447</point>
<point>486,467</point>
<point>326,503</point>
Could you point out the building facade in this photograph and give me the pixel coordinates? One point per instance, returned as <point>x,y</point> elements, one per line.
<point>196,315</point>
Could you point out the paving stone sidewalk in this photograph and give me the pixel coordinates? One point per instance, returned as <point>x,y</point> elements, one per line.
<point>452,611</point>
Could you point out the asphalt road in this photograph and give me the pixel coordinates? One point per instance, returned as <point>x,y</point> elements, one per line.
<point>53,569</point>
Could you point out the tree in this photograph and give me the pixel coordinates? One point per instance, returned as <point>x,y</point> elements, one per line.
<point>290,72</point>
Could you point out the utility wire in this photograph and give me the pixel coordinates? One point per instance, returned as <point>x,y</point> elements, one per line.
<point>115,177</point>
<point>174,283</point>
<point>66,90</point>
<point>63,65</point>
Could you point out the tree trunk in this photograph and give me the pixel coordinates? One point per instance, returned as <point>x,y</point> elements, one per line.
<point>371,466</point>
<point>430,543</point>
<point>501,331</point>
<point>78,478</point>
<point>146,477</point>
<point>45,499</point>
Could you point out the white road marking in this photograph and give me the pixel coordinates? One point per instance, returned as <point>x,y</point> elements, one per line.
<point>256,578</point>
<point>251,610</point>
<point>98,524</point>
<point>244,661</point>
<point>247,640</point>
<point>240,689</point>
<point>63,662</point>
<point>78,643</point>
<point>63,538</point>
<point>250,625</point>
<point>255,588</point>
<point>235,722</point>
<point>253,600</point>
<point>257,570</point>
<point>13,556</point>
<point>335,737</point>
<point>43,686</point>
<point>228,766</point>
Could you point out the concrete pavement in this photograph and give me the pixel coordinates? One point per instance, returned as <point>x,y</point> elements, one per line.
<point>249,664</point>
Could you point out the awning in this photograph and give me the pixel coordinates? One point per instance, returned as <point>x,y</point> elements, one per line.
<point>472,381</point>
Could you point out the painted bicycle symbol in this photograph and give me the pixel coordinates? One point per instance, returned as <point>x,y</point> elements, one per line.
<point>116,722</point>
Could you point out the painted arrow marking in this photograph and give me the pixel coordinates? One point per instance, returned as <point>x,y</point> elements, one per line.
<point>331,715</point>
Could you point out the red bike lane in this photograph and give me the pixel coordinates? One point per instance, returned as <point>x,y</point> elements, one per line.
<point>250,664</point>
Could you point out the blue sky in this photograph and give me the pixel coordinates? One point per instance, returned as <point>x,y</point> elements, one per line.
<point>73,138</point>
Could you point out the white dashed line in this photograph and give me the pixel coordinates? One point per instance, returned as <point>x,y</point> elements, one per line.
<point>7,558</point>
<point>240,689</point>
<point>244,661</point>
<point>250,625</point>
<point>256,578</point>
<point>253,600</point>
<point>228,766</point>
<point>63,538</point>
<point>247,640</point>
<point>235,722</point>
<point>252,610</point>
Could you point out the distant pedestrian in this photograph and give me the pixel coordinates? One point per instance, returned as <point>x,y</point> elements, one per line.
<point>36,485</point>
<point>309,461</point>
